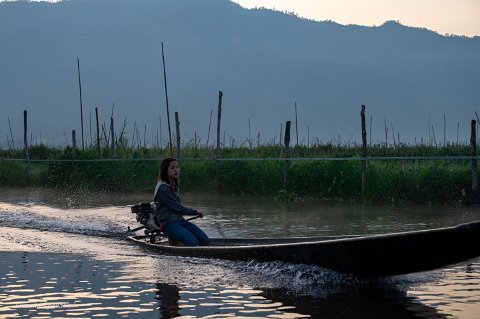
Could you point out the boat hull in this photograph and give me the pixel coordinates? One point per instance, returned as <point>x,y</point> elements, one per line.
<point>365,256</point>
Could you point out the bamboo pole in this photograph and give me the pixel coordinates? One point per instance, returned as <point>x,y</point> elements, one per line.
<point>112,132</point>
<point>473,144</point>
<point>219,118</point>
<point>177,126</point>
<point>166,100</point>
<point>25,135</point>
<point>286,141</point>
<point>98,133</point>
<point>74,145</point>
<point>429,132</point>
<point>81,103</point>
<point>364,149</point>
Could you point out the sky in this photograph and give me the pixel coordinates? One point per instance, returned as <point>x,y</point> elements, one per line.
<point>459,17</point>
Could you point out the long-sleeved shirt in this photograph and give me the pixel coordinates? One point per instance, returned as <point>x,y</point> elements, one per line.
<point>169,208</point>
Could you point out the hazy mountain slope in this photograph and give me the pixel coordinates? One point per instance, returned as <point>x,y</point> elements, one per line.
<point>263,61</point>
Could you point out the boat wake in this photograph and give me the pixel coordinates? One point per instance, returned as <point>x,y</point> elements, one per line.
<point>311,279</point>
<point>94,222</point>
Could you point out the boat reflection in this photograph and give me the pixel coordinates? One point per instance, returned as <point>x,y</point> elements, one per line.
<point>222,302</point>
<point>371,301</point>
<point>377,301</point>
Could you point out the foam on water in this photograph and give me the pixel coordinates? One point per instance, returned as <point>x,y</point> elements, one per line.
<point>309,279</point>
<point>98,221</point>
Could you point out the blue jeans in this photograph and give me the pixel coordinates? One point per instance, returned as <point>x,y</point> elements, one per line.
<point>187,233</point>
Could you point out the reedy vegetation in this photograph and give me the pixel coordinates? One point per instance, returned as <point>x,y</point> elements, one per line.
<point>328,171</point>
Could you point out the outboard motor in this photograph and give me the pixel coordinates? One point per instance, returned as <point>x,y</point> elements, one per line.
<point>145,215</point>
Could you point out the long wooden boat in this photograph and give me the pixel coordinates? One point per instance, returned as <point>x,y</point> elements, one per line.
<point>364,256</point>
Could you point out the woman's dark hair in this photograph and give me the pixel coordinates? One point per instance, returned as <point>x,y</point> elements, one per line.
<point>163,174</point>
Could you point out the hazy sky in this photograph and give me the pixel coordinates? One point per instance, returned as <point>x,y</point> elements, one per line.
<point>460,17</point>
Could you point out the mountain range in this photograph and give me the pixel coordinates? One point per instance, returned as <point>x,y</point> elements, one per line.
<point>418,84</point>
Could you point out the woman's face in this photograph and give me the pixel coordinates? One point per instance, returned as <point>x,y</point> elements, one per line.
<point>173,170</point>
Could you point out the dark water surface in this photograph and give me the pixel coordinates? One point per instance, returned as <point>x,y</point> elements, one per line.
<point>64,255</point>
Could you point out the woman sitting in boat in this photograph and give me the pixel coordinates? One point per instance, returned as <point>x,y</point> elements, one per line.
<point>170,212</point>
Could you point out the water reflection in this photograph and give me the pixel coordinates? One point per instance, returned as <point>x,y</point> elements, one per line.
<point>372,302</point>
<point>98,274</point>
<point>168,297</point>
<point>49,285</point>
<point>223,302</point>
<point>57,285</point>
<point>365,302</point>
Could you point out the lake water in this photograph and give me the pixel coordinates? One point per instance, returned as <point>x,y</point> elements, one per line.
<point>64,255</point>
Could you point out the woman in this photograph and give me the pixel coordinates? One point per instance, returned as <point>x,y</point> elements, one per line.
<point>169,210</point>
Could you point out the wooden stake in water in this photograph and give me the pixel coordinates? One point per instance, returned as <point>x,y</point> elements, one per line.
<point>166,99</point>
<point>81,104</point>
<point>98,132</point>
<point>112,132</point>
<point>177,126</point>
<point>25,135</point>
<point>219,119</point>
<point>473,144</point>
<point>287,154</point>
<point>74,145</point>
<point>364,148</point>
